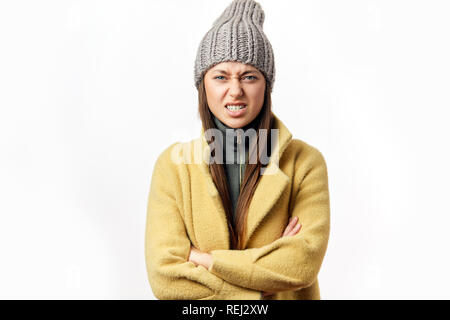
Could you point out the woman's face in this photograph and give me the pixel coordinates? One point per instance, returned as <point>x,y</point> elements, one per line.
<point>235,83</point>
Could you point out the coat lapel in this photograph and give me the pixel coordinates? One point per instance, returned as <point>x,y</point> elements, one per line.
<point>271,185</point>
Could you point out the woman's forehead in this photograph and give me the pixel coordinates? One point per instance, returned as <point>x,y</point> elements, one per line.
<point>233,67</point>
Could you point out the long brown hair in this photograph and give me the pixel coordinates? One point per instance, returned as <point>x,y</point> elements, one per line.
<point>252,170</point>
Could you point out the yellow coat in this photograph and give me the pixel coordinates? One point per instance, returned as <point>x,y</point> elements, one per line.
<point>184,207</point>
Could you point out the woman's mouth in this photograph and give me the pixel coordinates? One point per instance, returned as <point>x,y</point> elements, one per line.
<point>236,110</point>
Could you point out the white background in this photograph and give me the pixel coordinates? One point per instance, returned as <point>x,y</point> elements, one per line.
<point>92,91</point>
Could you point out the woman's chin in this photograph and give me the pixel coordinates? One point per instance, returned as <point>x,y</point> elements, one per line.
<point>236,122</point>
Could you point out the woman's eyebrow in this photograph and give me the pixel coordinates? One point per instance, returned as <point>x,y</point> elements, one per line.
<point>245,72</point>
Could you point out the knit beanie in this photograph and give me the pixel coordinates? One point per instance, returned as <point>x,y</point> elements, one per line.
<point>237,35</point>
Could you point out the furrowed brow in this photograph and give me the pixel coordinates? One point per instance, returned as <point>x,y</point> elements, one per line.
<point>224,72</point>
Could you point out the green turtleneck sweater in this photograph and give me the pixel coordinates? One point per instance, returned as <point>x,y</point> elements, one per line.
<point>235,170</point>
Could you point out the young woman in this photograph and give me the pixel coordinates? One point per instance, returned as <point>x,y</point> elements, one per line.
<point>243,211</point>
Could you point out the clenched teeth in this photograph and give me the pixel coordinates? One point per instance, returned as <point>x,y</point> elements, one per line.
<point>235,108</point>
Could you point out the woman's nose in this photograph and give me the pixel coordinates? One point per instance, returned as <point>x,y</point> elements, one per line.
<point>235,88</point>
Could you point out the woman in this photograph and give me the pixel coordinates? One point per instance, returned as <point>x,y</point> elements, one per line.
<point>228,227</point>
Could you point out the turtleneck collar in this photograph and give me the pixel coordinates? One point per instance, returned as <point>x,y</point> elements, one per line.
<point>231,142</point>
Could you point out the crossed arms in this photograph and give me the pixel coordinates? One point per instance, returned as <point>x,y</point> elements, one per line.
<point>289,263</point>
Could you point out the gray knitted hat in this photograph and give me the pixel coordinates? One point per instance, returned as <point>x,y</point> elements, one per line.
<point>237,35</point>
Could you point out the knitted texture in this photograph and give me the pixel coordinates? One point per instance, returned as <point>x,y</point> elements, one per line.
<point>237,35</point>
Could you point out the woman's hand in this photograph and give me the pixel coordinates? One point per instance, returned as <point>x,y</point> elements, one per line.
<point>205,259</point>
<point>200,258</point>
<point>292,229</point>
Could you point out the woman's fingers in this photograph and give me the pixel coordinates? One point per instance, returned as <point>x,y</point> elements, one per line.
<point>295,230</point>
<point>194,255</point>
<point>290,226</point>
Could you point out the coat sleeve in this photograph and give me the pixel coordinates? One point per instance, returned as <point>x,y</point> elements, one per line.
<point>167,246</point>
<point>293,262</point>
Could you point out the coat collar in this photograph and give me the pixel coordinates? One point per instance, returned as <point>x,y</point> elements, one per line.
<point>270,187</point>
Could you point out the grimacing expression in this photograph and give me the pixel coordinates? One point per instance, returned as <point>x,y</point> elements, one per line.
<point>235,83</point>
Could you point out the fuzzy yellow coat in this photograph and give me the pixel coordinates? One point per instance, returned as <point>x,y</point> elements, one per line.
<point>184,208</point>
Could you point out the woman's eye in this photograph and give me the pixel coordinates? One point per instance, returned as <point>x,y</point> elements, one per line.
<point>251,77</point>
